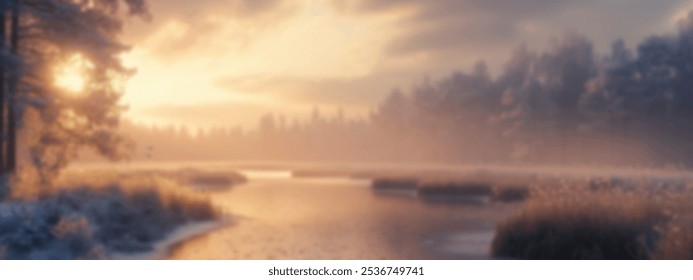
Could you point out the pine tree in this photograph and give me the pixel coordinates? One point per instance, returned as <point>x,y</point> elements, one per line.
<point>52,123</point>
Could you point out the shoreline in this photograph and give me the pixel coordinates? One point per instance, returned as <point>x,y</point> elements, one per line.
<point>163,248</point>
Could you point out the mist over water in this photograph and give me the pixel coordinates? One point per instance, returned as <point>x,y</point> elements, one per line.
<point>339,218</point>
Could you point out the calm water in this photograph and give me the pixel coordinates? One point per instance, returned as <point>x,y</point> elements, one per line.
<point>279,217</point>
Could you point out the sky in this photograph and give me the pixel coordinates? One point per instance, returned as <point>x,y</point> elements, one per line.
<point>227,62</point>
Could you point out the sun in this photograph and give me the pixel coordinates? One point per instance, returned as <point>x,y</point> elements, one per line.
<point>71,74</point>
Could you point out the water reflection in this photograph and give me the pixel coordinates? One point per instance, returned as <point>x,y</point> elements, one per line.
<point>264,174</point>
<point>339,218</point>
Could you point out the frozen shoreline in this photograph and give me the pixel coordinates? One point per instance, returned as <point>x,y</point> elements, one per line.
<point>162,249</point>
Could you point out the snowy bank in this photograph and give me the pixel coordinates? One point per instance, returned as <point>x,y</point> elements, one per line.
<point>99,221</point>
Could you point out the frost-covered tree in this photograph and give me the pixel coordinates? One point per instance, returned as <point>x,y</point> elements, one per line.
<point>655,84</point>
<point>53,121</point>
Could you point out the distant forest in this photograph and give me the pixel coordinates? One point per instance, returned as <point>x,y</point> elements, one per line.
<point>565,104</point>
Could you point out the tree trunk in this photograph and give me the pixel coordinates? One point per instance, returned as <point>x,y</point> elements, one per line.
<point>3,97</point>
<point>14,80</point>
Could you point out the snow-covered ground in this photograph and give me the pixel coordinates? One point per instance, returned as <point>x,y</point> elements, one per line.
<point>93,221</point>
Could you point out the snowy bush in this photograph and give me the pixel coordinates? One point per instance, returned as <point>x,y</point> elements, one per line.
<point>95,222</point>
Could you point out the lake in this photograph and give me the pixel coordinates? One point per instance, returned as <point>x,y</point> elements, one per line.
<point>276,216</point>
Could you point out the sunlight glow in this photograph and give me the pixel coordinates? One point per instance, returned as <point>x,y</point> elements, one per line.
<point>71,75</point>
<point>275,68</point>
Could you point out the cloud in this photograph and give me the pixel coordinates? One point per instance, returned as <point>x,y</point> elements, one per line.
<point>455,8</point>
<point>192,11</point>
<point>466,26</point>
<point>351,52</point>
<point>182,27</point>
<point>205,114</point>
<point>356,92</point>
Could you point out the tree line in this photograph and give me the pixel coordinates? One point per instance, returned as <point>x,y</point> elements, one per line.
<point>565,104</point>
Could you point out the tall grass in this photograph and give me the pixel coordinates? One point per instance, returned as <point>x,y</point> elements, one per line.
<point>93,215</point>
<point>456,189</point>
<point>394,184</point>
<point>600,220</point>
<point>453,189</point>
<point>510,193</point>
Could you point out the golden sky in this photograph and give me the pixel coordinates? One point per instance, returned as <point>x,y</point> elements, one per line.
<point>226,62</point>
